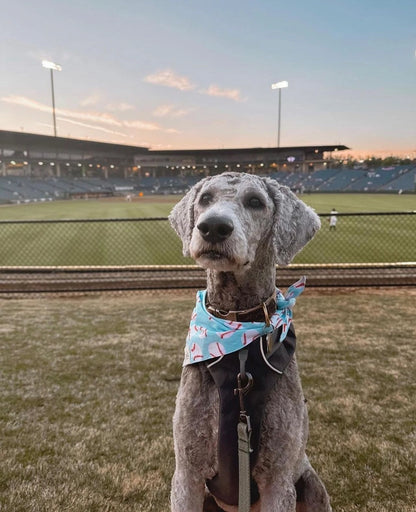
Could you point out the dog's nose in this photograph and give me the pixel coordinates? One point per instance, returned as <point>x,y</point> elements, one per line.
<point>216,229</point>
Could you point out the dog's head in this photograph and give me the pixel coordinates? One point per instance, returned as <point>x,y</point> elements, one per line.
<point>223,219</point>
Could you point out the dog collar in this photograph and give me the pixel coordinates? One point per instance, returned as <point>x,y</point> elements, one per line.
<point>263,310</point>
<point>210,337</point>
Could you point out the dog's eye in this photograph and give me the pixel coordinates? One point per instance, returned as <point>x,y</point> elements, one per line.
<point>205,199</point>
<point>255,203</point>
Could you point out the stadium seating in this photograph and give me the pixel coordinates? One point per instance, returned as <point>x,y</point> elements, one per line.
<point>341,180</point>
<point>406,182</point>
<point>373,180</point>
<point>18,189</point>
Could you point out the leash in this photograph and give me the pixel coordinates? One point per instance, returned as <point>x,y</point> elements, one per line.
<point>244,384</point>
<point>244,380</point>
<point>225,346</point>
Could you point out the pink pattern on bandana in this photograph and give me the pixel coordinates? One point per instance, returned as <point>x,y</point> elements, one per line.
<point>210,337</point>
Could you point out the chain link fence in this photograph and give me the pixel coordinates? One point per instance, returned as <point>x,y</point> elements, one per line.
<point>357,238</point>
<point>126,245</point>
<point>89,242</point>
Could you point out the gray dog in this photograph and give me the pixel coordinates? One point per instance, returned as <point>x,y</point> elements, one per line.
<point>238,226</point>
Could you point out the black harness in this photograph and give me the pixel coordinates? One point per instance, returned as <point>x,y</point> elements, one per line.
<point>266,361</point>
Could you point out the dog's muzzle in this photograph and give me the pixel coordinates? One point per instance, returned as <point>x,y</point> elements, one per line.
<point>216,229</point>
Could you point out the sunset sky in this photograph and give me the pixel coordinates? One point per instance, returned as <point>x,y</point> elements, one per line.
<point>198,74</point>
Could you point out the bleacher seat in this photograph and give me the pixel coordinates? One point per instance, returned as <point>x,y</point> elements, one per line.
<point>15,189</point>
<point>405,181</point>
<point>341,180</point>
<point>373,180</point>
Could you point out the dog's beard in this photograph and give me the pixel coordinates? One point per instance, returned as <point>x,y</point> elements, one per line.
<point>218,257</point>
<point>216,261</point>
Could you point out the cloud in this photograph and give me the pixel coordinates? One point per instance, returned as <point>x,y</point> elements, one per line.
<point>140,125</point>
<point>169,78</point>
<point>171,111</point>
<point>96,98</point>
<point>95,117</point>
<point>119,107</point>
<point>92,99</point>
<point>90,126</point>
<point>85,116</point>
<point>25,102</point>
<point>231,94</point>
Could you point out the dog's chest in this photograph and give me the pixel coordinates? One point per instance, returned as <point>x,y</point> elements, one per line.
<point>225,483</point>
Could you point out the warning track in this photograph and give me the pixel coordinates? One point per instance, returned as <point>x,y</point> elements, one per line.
<point>49,280</point>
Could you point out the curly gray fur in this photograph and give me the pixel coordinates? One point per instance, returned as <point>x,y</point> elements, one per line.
<point>271,228</point>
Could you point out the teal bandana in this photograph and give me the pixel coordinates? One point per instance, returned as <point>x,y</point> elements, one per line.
<point>210,337</point>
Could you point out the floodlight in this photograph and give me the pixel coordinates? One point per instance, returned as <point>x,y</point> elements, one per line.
<point>51,65</point>
<point>280,85</point>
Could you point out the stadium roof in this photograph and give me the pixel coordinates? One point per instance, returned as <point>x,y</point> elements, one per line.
<point>235,151</point>
<point>22,141</point>
<point>32,141</point>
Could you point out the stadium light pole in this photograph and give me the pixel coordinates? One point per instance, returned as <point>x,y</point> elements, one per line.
<point>53,67</point>
<point>280,86</point>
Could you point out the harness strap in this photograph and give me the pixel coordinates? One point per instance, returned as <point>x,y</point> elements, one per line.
<point>241,410</point>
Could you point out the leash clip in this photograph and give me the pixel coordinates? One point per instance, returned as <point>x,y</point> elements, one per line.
<point>243,377</point>
<point>243,390</point>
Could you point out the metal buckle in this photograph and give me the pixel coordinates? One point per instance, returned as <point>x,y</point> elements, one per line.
<point>266,314</point>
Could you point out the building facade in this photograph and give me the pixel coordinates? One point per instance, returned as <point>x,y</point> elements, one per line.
<point>44,156</point>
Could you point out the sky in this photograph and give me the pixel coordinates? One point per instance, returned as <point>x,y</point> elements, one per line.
<point>185,74</point>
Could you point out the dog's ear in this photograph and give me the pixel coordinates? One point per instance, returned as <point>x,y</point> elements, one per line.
<point>181,217</point>
<point>295,223</point>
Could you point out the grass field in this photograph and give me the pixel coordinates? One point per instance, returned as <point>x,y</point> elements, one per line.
<point>160,206</point>
<point>357,239</point>
<point>88,388</point>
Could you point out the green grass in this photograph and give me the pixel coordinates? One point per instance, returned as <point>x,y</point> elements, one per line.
<point>357,239</point>
<point>160,206</point>
<point>356,203</point>
<point>88,388</point>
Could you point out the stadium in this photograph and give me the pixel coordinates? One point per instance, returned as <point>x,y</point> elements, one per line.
<point>110,113</point>
<point>86,400</point>
<point>72,192</point>
<point>44,168</point>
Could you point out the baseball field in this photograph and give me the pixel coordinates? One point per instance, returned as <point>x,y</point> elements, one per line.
<point>125,242</point>
<point>88,390</point>
<point>89,382</point>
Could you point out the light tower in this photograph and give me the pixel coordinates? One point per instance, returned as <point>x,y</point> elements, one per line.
<point>280,86</point>
<point>53,67</point>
